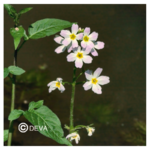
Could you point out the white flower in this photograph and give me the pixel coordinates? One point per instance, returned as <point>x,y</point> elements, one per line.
<point>71,37</point>
<point>89,39</point>
<point>56,84</point>
<point>90,131</point>
<point>95,80</point>
<point>61,48</point>
<point>80,56</point>
<point>74,136</point>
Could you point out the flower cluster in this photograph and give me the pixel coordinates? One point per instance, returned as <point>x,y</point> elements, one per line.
<point>75,136</point>
<point>80,44</point>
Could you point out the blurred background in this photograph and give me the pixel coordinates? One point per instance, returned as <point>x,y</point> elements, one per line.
<point>119,113</point>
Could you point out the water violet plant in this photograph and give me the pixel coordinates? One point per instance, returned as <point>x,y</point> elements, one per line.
<point>81,45</point>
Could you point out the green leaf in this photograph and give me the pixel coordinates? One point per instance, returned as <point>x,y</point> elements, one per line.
<point>44,117</point>
<point>33,104</point>
<point>15,114</point>
<point>47,27</point>
<point>17,33</point>
<point>6,135</point>
<point>11,10</point>
<point>15,70</point>
<point>25,36</point>
<point>24,10</point>
<point>6,72</point>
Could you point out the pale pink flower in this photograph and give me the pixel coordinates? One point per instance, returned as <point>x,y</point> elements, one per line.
<point>95,81</point>
<point>97,45</point>
<point>71,37</point>
<point>56,84</point>
<point>88,38</point>
<point>80,56</point>
<point>62,48</point>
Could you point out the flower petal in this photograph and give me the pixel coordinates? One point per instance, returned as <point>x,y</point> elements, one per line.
<point>88,74</point>
<point>58,39</point>
<point>62,88</point>
<point>90,133</point>
<point>59,79</point>
<point>87,31</point>
<point>76,140</point>
<point>78,136</point>
<point>65,33</point>
<point>87,59</point>
<point>96,89</point>
<point>70,135</point>
<point>97,72</point>
<point>103,80</point>
<point>70,49</point>
<point>52,88</point>
<point>50,83</point>
<point>90,44</point>
<point>71,57</point>
<point>60,49</point>
<point>79,36</point>
<point>74,43</point>
<point>79,63</point>
<point>66,41</point>
<point>93,36</point>
<point>86,50</point>
<point>76,50</point>
<point>83,44</point>
<point>74,28</point>
<point>94,52</point>
<point>99,45</point>
<point>87,85</point>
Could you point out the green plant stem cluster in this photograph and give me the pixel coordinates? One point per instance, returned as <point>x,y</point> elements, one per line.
<point>37,30</point>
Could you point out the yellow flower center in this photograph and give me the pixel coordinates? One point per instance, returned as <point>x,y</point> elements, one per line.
<point>72,36</point>
<point>94,80</point>
<point>58,84</point>
<point>80,55</point>
<point>74,137</point>
<point>86,38</point>
<point>89,129</point>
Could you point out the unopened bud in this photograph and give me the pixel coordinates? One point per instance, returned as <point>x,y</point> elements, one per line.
<point>17,29</point>
<point>79,29</point>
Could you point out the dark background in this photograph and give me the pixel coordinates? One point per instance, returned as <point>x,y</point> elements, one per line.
<point>115,113</point>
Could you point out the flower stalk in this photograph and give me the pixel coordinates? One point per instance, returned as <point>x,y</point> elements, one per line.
<point>72,98</point>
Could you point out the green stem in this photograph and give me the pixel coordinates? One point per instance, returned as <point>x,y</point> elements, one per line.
<point>11,122</point>
<point>13,96</point>
<point>21,45</point>
<point>80,73</point>
<point>72,98</point>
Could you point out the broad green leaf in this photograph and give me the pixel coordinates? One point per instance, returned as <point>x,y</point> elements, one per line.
<point>6,135</point>
<point>44,117</point>
<point>17,33</point>
<point>15,114</point>
<point>33,104</point>
<point>47,27</point>
<point>24,10</point>
<point>11,10</point>
<point>6,72</point>
<point>15,70</point>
